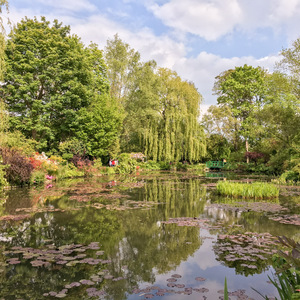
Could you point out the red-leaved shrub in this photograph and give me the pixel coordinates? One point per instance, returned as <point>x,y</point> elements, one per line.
<point>19,168</point>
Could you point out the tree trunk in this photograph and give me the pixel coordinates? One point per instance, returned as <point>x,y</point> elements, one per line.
<point>247,150</point>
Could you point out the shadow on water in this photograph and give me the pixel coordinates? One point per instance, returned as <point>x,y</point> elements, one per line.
<point>157,235</point>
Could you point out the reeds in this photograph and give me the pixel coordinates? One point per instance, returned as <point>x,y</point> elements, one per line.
<point>256,190</point>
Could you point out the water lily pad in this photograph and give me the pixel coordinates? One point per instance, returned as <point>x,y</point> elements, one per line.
<point>176,276</point>
<point>200,278</point>
<point>60,295</point>
<point>87,282</point>
<point>171,280</point>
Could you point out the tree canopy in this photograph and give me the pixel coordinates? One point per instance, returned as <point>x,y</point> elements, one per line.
<point>51,81</point>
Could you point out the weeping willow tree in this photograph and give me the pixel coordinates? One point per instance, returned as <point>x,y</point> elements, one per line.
<point>161,110</point>
<point>165,112</point>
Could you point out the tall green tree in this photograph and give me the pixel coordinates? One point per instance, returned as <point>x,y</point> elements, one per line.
<point>122,62</point>
<point>161,111</point>
<point>219,120</point>
<point>279,120</point>
<point>51,81</point>
<point>166,113</point>
<point>243,90</point>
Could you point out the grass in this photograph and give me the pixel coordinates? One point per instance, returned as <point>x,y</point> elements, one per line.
<point>256,190</point>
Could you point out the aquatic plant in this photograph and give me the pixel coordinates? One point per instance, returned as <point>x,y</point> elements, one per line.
<point>256,190</point>
<point>287,266</point>
<point>225,290</point>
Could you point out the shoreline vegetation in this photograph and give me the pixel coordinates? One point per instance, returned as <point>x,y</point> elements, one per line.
<point>255,190</point>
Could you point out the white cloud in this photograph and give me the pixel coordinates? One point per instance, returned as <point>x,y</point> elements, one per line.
<point>203,69</point>
<point>208,19</point>
<point>169,53</point>
<point>212,19</point>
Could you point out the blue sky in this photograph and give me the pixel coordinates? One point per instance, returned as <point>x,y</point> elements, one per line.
<point>198,39</point>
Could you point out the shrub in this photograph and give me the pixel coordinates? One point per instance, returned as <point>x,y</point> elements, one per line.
<point>18,169</point>
<point>3,181</point>
<point>151,165</point>
<point>164,165</point>
<point>37,177</point>
<point>126,165</point>
<point>181,166</point>
<point>68,171</point>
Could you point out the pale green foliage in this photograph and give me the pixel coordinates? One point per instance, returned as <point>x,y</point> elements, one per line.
<point>161,110</point>
<point>3,3</point>
<point>256,190</point>
<point>4,118</point>
<point>219,120</point>
<point>122,62</point>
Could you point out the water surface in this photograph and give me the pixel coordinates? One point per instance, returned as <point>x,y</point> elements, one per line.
<point>157,235</point>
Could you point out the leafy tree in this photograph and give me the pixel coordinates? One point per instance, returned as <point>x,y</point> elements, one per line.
<point>53,85</point>
<point>242,89</point>
<point>161,110</point>
<point>46,80</point>
<point>3,3</point>
<point>280,119</point>
<point>122,62</point>
<point>218,147</point>
<point>219,121</point>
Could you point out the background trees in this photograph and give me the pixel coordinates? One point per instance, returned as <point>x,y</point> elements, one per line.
<point>243,90</point>
<point>161,111</point>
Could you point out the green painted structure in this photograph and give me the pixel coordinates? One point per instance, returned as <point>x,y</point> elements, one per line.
<point>215,164</point>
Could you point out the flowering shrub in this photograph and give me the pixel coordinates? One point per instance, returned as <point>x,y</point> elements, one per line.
<point>83,164</point>
<point>43,163</point>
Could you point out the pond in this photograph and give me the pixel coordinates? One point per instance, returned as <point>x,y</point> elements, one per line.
<point>145,236</point>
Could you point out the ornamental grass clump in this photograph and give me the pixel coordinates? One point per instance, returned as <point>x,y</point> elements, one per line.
<point>256,190</point>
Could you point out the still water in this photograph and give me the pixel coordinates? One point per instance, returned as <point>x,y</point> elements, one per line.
<point>145,236</point>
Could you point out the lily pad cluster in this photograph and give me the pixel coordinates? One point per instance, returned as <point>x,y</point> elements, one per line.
<point>64,256</point>
<point>251,206</point>
<point>127,205</point>
<point>248,252</point>
<point>173,287</point>
<point>287,219</point>
<point>185,221</point>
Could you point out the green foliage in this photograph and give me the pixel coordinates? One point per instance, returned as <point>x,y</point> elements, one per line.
<point>38,177</point>
<point>287,266</point>
<point>256,190</point>
<point>161,110</point>
<point>71,147</point>
<point>225,290</point>
<point>219,121</point>
<point>151,165</point>
<point>126,164</point>
<point>218,148</point>
<point>100,125</point>
<point>64,92</point>
<point>68,171</point>
<point>3,3</point>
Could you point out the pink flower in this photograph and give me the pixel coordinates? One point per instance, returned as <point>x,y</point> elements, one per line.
<point>49,177</point>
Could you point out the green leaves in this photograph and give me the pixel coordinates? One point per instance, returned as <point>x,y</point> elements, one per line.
<point>55,87</point>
